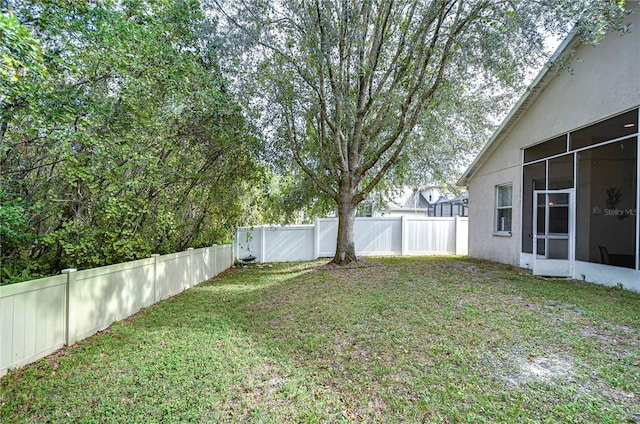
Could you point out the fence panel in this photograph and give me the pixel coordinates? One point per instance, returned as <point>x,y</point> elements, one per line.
<point>248,242</point>
<point>373,236</point>
<point>199,269</point>
<point>40,316</point>
<point>378,236</point>
<point>428,236</point>
<point>103,295</point>
<point>462,235</point>
<point>32,320</point>
<point>172,274</point>
<point>222,259</point>
<point>291,243</point>
<point>328,234</point>
<point>227,257</point>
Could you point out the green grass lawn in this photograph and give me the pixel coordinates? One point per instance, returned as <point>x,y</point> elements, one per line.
<point>402,340</point>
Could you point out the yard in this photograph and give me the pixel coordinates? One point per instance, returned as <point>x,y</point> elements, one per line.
<point>399,340</point>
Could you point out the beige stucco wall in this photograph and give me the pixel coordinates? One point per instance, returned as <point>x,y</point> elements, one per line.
<point>605,82</point>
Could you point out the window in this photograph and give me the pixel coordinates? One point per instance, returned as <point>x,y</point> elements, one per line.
<point>543,150</point>
<point>606,200</point>
<point>616,127</point>
<point>534,178</point>
<point>503,208</point>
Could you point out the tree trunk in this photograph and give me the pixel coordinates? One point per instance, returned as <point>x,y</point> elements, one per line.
<point>345,246</point>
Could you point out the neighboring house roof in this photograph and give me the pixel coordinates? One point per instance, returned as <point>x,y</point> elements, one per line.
<point>463,198</point>
<point>441,199</point>
<point>543,79</point>
<point>455,201</point>
<point>416,201</point>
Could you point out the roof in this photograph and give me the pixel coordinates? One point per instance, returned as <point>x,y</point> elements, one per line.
<point>542,80</point>
<point>415,201</point>
<point>464,197</point>
<point>418,201</point>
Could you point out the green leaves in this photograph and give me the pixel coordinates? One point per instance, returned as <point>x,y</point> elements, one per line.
<point>130,144</point>
<point>19,52</point>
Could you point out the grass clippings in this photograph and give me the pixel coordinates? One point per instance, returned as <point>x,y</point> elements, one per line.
<point>399,340</point>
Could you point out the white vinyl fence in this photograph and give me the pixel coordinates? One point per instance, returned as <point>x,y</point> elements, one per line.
<point>40,316</point>
<point>384,236</point>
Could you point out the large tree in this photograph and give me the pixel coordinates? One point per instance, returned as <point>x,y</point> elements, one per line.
<point>348,86</point>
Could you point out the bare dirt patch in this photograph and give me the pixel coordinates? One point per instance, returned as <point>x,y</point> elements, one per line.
<point>550,369</point>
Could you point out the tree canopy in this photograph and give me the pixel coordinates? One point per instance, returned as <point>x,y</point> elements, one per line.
<point>121,132</point>
<point>353,91</point>
<point>119,137</point>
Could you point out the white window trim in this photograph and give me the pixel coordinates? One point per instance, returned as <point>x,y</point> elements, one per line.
<point>496,232</point>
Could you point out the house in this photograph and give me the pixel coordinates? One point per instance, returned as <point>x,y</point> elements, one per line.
<point>412,202</point>
<point>556,187</point>
<point>426,202</point>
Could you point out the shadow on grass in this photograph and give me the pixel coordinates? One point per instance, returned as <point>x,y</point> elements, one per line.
<point>414,339</point>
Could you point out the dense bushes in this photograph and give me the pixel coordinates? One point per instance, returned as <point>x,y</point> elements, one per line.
<point>118,138</point>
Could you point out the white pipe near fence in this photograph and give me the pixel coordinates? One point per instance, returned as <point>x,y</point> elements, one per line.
<point>40,316</point>
<point>383,236</point>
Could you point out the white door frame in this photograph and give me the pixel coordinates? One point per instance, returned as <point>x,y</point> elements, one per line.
<point>542,265</point>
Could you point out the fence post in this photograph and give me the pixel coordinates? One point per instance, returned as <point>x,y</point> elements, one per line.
<point>156,259</point>
<point>190,265</point>
<point>263,245</point>
<point>316,238</point>
<point>70,328</point>
<point>237,246</point>
<point>214,249</point>
<point>403,232</point>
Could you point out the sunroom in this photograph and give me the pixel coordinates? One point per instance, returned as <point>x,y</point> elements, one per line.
<point>580,198</point>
